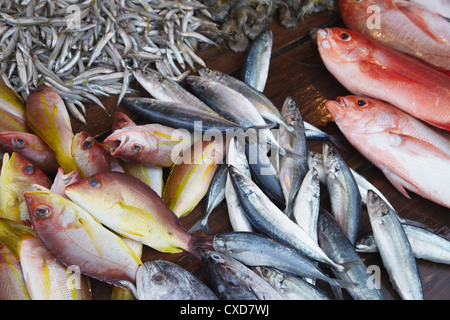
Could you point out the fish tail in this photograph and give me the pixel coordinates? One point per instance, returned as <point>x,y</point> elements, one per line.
<point>202,225</point>
<point>197,244</point>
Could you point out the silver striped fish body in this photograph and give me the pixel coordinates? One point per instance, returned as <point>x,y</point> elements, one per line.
<point>345,198</point>
<point>307,203</point>
<point>293,169</point>
<point>237,159</point>
<point>263,104</point>
<point>335,243</point>
<point>231,280</point>
<point>271,221</point>
<point>165,89</point>
<point>256,64</point>
<point>425,244</point>
<point>254,249</point>
<point>289,286</point>
<point>395,249</point>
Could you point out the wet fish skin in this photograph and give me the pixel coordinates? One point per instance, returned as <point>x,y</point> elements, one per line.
<point>254,249</point>
<point>32,147</point>
<point>395,249</point>
<point>12,283</point>
<point>425,244</point>
<point>132,209</point>
<point>289,286</point>
<point>374,71</point>
<point>61,181</point>
<point>344,193</point>
<point>336,244</point>
<point>176,115</point>
<point>231,280</point>
<point>189,180</point>
<point>271,221</point>
<point>263,104</point>
<point>306,205</point>
<point>256,63</point>
<point>74,237</point>
<point>165,280</point>
<point>121,120</point>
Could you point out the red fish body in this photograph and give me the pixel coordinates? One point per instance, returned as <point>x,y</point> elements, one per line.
<point>403,26</point>
<point>368,68</point>
<point>411,154</point>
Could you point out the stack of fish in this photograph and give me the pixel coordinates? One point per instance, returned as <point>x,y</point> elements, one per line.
<point>395,60</point>
<point>92,214</point>
<point>86,49</point>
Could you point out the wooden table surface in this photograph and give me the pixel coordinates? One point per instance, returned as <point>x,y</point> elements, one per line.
<point>296,70</point>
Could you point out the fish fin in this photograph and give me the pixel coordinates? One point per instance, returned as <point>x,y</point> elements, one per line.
<point>414,146</point>
<point>203,225</point>
<point>420,17</point>
<point>90,232</point>
<point>398,182</point>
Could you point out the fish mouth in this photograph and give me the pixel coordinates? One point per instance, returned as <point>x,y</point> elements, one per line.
<point>115,144</point>
<point>341,102</point>
<point>323,33</point>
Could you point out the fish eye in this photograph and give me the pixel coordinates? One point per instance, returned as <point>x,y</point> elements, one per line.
<point>18,143</point>
<point>216,257</point>
<point>345,36</point>
<point>43,211</point>
<point>89,142</point>
<point>136,147</point>
<point>266,272</point>
<point>357,1</point>
<point>29,169</point>
<point>159,277</point>
<point>362,103</point>
<point>95,183</point>
<point>123,120</point>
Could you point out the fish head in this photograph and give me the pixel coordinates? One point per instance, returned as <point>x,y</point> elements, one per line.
<point>339,45</point>
<point>362,115</point>
<point>157,278</point>
<point>14,141</point>
<point>121,120</point>
<point>45,208</point>
<point>62,180</point>
<point>196,83</point>
<point>149,77</point>
<point>210,74</point>
<point>376,206</point>
<point>99,192</point>
<point>132,144</point>
<point>19,171</point>
<point>83,143</point>
<point>290,111</point>
<point>213,257</point>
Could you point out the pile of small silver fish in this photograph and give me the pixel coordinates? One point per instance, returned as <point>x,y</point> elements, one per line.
<point>283,245</point>
<point>86,49</point>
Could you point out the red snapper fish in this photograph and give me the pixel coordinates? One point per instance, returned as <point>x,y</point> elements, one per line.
<point>441,7</point>
<point>368,68</point>
<point>410,153</point>
<point>403,26</point>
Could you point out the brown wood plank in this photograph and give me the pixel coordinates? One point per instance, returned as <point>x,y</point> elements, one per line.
<point>298,71</point>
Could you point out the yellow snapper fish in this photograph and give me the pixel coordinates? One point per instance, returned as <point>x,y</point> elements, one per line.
<point>12,110</point>
<point>17,176</point>
<point>132,209</point>
<point>74,237</point>
<point>45,277</point>
<point>12,284</point>
<point>189,182</point>
<point>62,180</point>
<point>47,115</point>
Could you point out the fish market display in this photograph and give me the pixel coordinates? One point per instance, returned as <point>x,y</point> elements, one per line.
<point>411,154</point>
<point>133,165</point>
<point>441,7</point>
<point>404,26</point>
<point>366,67</point>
